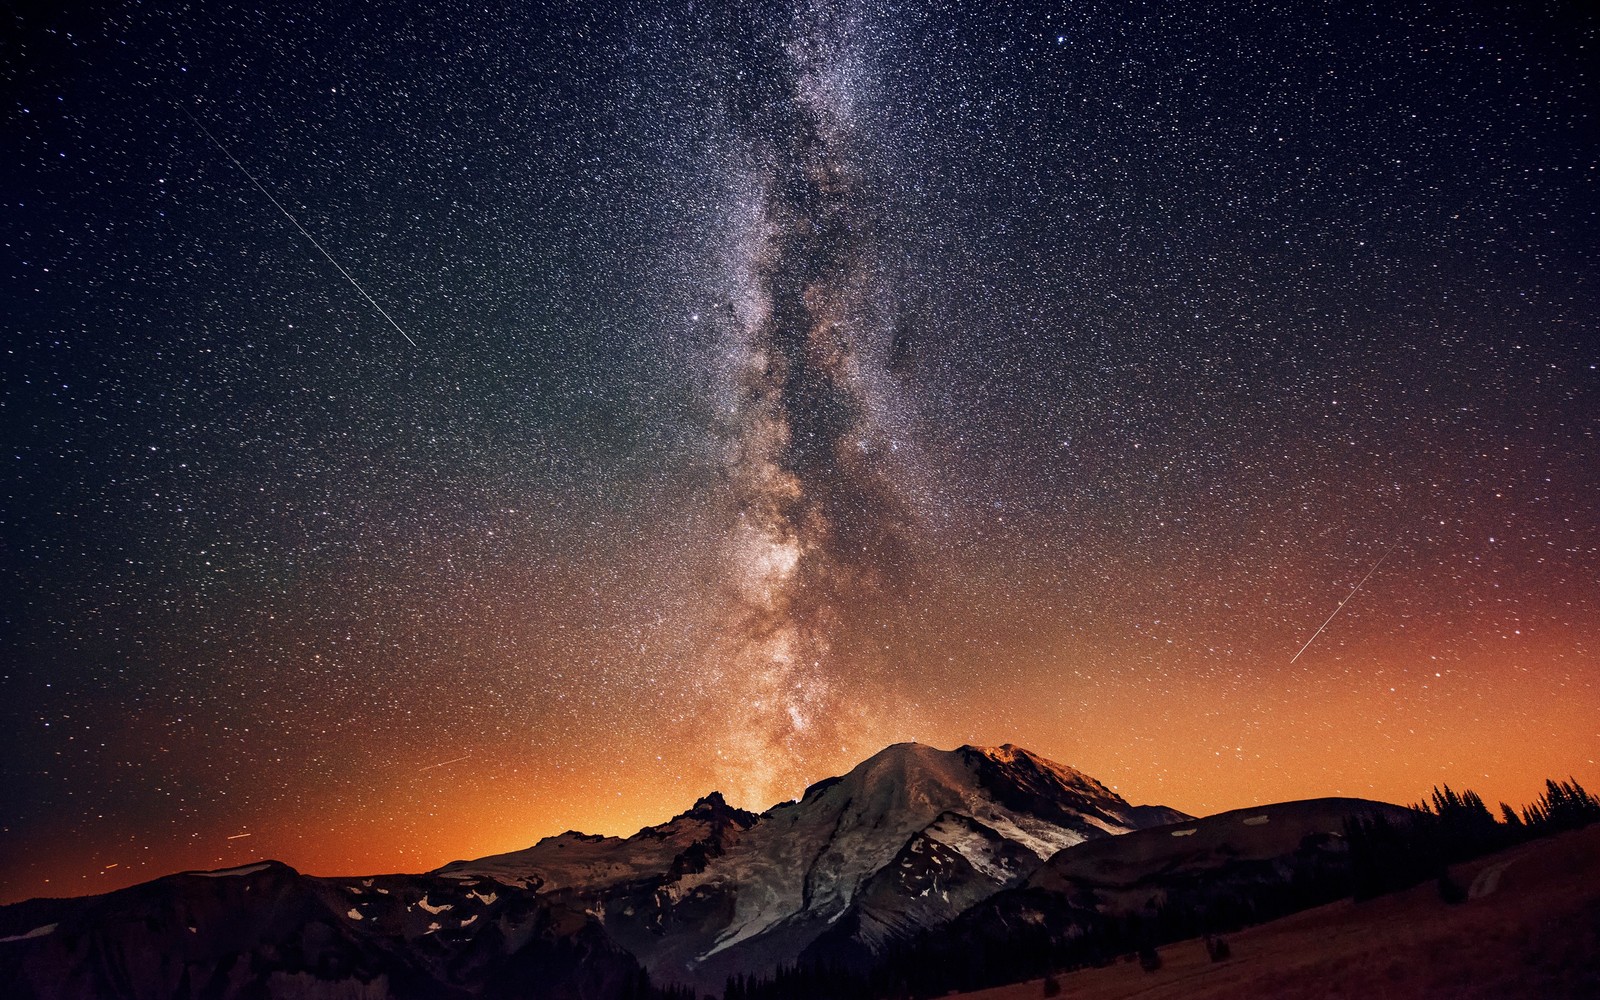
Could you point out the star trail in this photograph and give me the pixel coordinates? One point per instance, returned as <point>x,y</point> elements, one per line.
<point>798,378</point>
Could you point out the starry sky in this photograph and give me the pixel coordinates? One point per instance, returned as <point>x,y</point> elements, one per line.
<point>430,431</point>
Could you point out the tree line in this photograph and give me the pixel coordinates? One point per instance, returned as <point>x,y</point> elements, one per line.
<point>1450,828</point>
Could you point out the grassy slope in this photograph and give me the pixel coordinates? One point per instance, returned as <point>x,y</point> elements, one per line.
<point>1536,935</point>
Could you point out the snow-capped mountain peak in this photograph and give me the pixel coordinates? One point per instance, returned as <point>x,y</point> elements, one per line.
<point>903,841</point>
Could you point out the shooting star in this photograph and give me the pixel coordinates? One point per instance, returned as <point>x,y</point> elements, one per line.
<point>443,763</point>
<point>238,835</point>
<point>1342,603</point>
<point>287,215</point>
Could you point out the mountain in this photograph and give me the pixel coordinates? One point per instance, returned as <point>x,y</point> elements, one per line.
<point>903,843</point>
<point>1097,900</point>
<point>574,860</point>
<point>265,930</point>
<point>1228,842</point>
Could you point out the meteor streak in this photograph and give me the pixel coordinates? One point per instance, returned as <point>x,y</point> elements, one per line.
<point>1342,603</point>
<point>286,214</point>
<point>443,763</point>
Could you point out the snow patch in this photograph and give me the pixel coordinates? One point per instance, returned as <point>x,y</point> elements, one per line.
<point>1115,829</point>
<point>484,898</point>
<point>470,920</point>
<point>36,932</point>
<point>1186,833</point>
<point>230,872</point>
<point>354,914</point>
<point>431,928</point>
<point>980,851</point>
<point>1262,820</point>
<point>433,909</point>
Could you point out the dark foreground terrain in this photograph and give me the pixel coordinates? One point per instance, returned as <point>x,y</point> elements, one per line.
<point>1530,928</point>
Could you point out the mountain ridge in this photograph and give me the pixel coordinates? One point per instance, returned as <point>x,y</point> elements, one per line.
<point>905,843</point>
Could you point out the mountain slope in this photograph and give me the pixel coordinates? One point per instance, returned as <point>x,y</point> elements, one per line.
<point>1260,833</point>
<point>585,861</point>
<point>1096,900</point>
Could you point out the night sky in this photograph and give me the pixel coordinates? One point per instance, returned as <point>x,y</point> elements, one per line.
<point>788,379</point>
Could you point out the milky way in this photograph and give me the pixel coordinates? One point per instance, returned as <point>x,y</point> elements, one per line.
<point>820,532</point>
<point>796,378</point>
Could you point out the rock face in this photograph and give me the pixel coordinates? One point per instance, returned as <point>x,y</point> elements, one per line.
<point>905,842</point>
